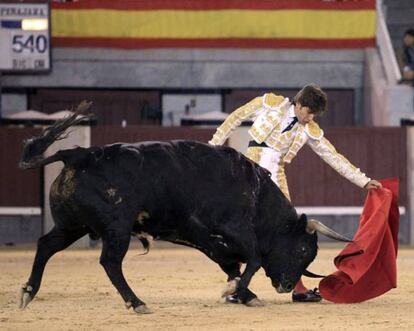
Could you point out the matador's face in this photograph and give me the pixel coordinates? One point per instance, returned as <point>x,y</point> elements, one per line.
<point>303,114</point>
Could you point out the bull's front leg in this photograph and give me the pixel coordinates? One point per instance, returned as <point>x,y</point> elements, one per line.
<point>247,248</point>
<point>238,286</point>
<point>245,295</point>
<point>233,272</point>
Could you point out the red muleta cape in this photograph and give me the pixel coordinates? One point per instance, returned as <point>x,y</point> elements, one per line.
<point>367,266</point>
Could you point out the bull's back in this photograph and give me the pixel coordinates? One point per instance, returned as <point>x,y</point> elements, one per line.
<point>167,178</point>
<point>199,167</point>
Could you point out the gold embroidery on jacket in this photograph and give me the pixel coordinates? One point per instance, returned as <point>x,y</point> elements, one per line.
<point>270,117</point>
<point>313,130</point>
<point>281,179</point>
<point>340,157</point>
<point>254,154</point>
<point>272,100</point>
<point>235,119</point>
<point>297,144</point>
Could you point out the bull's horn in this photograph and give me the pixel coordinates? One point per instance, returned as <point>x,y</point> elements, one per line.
<point>314,225</point>
<point>310,274</point>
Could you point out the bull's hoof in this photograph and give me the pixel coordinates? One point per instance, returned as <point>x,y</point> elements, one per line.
<point>255,303</point>
<point>234,299</point>
<point>24,296</point>
<point>231,287</point>
<point>143,309</point>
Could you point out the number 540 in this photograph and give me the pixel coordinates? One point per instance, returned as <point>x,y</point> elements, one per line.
<point>31,43</point>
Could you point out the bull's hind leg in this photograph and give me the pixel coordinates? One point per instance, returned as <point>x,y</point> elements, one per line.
<point>49,244</point>
<point>115,245</point>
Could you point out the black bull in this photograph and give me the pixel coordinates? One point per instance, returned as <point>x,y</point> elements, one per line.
<point>210,198</point>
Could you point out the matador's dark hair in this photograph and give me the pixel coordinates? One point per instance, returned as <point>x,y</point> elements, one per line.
<point>312,96</point>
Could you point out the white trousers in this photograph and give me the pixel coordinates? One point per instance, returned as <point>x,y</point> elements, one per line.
<point>271,160</point>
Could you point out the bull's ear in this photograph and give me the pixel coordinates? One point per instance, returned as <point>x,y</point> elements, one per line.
<point>303,218</point>
<point>303,221</point>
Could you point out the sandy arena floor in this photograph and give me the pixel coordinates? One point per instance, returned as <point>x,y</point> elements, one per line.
<point>183,287</point>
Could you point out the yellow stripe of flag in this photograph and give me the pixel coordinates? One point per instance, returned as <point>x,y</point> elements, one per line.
<point>187,24</point>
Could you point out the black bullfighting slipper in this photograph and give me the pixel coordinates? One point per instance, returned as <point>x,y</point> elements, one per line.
<point>310,296</point>
<point>234,298</point>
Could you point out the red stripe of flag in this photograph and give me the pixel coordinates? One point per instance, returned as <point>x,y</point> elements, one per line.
<point>136,43</point>
<point>217,4</point>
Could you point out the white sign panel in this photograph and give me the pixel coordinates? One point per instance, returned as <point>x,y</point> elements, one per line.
<point>177,106</point>
<point>24,37</point>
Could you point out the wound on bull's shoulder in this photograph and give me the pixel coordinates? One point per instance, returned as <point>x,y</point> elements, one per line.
<point>64,185</point>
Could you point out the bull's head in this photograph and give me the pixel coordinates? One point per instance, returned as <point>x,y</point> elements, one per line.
<point>292,252</point>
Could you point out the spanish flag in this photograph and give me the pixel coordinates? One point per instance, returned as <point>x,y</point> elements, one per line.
<point>214,24</point>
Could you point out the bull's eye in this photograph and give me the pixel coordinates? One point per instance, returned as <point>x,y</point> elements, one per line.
<point>302,249</point>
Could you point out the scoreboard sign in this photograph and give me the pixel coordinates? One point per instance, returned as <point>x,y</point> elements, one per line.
<point>24,37</point>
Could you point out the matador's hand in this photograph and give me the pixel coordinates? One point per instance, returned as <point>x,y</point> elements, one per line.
<point>373,184</point>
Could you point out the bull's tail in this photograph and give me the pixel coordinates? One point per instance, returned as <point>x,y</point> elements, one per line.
<point>34,148</point>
